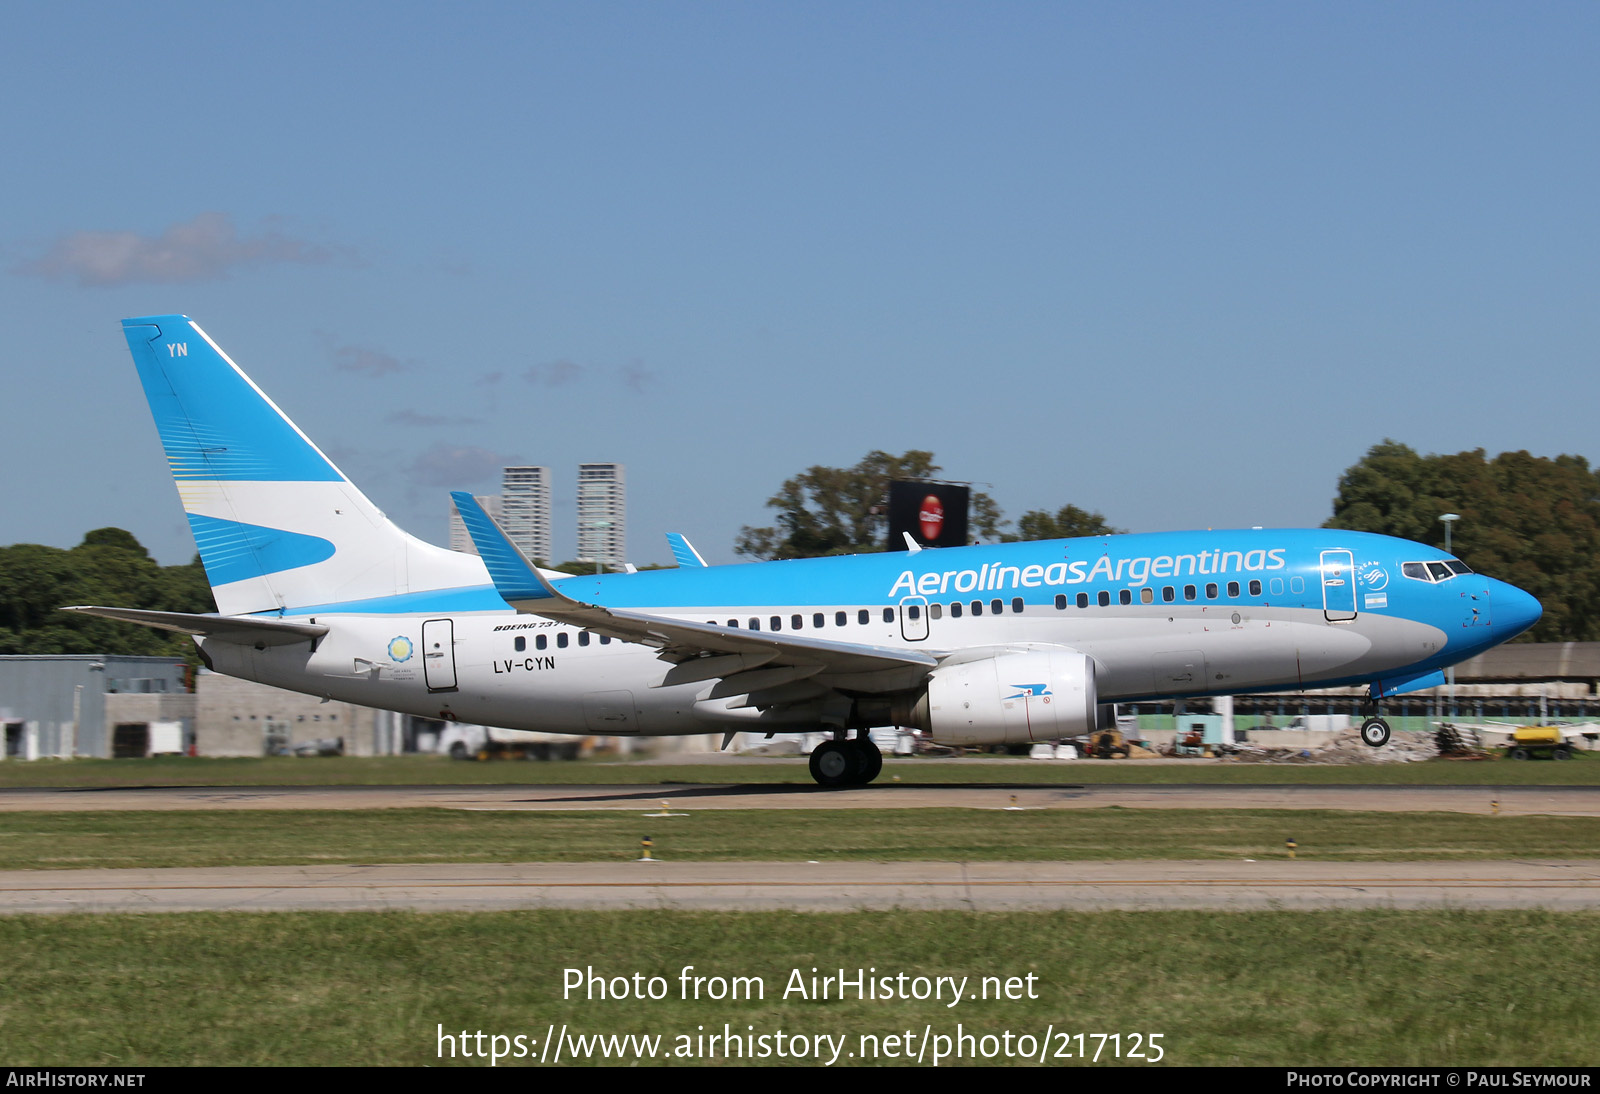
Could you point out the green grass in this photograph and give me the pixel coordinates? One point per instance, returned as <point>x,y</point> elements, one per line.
<point>1253,988</point>
<point>271,837</point>
<point>433,770</point>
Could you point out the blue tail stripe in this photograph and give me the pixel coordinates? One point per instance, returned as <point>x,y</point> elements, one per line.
<point>233,551</point>
<point>512,576</point>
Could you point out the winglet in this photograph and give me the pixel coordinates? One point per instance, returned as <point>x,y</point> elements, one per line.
<point>683,551</point>
<point>911,545</point>
<point>515,578</point>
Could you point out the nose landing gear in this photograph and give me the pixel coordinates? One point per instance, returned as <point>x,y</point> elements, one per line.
<point>1374,730</point>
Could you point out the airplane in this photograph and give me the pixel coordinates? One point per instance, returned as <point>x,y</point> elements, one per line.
<point>318,592</point>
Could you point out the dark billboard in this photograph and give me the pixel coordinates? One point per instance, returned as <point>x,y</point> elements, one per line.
<point>935,513</point>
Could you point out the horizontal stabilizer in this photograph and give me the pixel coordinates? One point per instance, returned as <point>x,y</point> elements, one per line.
<point>245,630</point>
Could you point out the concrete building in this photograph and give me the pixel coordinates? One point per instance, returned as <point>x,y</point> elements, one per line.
<point>525,510</point>
<point>87,705</point>
<point>602,513</point>
<point>460,538</point>
<point>236,717</point>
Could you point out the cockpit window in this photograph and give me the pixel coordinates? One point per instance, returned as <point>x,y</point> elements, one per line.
<point>1435,571</point>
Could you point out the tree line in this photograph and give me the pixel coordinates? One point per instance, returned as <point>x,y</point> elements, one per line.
<point>110,567</point>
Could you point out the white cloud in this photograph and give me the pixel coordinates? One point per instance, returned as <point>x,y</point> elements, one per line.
<point>209,246</point>
<point>553,374</point>
<point>417,418</point>
<point>457,467</point>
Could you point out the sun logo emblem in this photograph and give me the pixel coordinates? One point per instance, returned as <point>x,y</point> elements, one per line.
<point>400,649</point>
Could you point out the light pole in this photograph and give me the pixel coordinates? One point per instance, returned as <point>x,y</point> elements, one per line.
<point>1447,520</point>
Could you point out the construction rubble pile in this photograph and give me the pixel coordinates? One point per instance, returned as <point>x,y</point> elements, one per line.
<point>1346,748</point>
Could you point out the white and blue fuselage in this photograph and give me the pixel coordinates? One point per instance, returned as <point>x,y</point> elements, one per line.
<point>317,591</point>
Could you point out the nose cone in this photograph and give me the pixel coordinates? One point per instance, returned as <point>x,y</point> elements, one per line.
<point>1514,610</point>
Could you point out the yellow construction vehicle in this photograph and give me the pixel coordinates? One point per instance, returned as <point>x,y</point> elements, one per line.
<point>1530,741</point>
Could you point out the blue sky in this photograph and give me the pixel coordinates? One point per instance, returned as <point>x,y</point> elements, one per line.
<point>1179,263</point>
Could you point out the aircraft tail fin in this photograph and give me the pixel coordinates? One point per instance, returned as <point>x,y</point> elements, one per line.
<point>277,524</point>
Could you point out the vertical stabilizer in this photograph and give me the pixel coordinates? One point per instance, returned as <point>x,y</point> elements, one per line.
<point>277,524</point>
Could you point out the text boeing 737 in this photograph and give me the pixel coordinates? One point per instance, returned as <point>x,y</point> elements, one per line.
<point>318,592</point>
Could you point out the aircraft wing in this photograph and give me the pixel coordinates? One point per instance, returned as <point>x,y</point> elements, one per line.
<point>243,629</point>
<point>703,651</point>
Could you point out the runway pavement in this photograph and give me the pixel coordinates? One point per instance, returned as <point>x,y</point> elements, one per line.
<point>1581,801</point>
<point>820,886</point>
<point>813,887</point>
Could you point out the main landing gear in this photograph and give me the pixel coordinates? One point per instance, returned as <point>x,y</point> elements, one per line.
<point>1374,730</point>
<point>842,762</point>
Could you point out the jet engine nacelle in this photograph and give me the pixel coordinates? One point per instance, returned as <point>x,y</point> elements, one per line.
<point>1010,698</point>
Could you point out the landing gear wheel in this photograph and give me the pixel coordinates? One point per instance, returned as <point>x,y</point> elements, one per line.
<point>836,763</point>
<point>871,759</point>
<point>1561,752</point>
<point>1375,732</point>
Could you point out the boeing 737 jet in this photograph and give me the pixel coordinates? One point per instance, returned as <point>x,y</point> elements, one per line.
<point>318,592</point>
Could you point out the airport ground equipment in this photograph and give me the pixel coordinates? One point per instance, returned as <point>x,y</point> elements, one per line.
<point>1529,742</point>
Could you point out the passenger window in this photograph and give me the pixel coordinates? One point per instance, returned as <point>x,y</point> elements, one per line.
<point>776,622</point>
<point>521,643</point>
<point>1083,600</point>
<point>561,640</point>
<point>955,610</point>
<point>1147,595</point>
<point>1104,598</point>
<point>1211,590</point>
<point>1016,605</point>
<point>817,620</point>
<point>1255,588</point>
<point>733,622</point>
<point>1168,593</point>
<point>540,641</point>
<point>935,611</point>
<point>1125,596</point>
<point>863,615</point>
<point>977,607</point>
<point>1297,584</point>
<point>796,622</point>
<point>583,638</point>
<point>755,624</point>
<point>605,640</point>
<point>1061,602</point>
<point>840,619</point>
<point>996,606</point>
<point>913,611</point>
<point>1233,588</point>
<point>1188,592</point>
<point>888,615</point>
